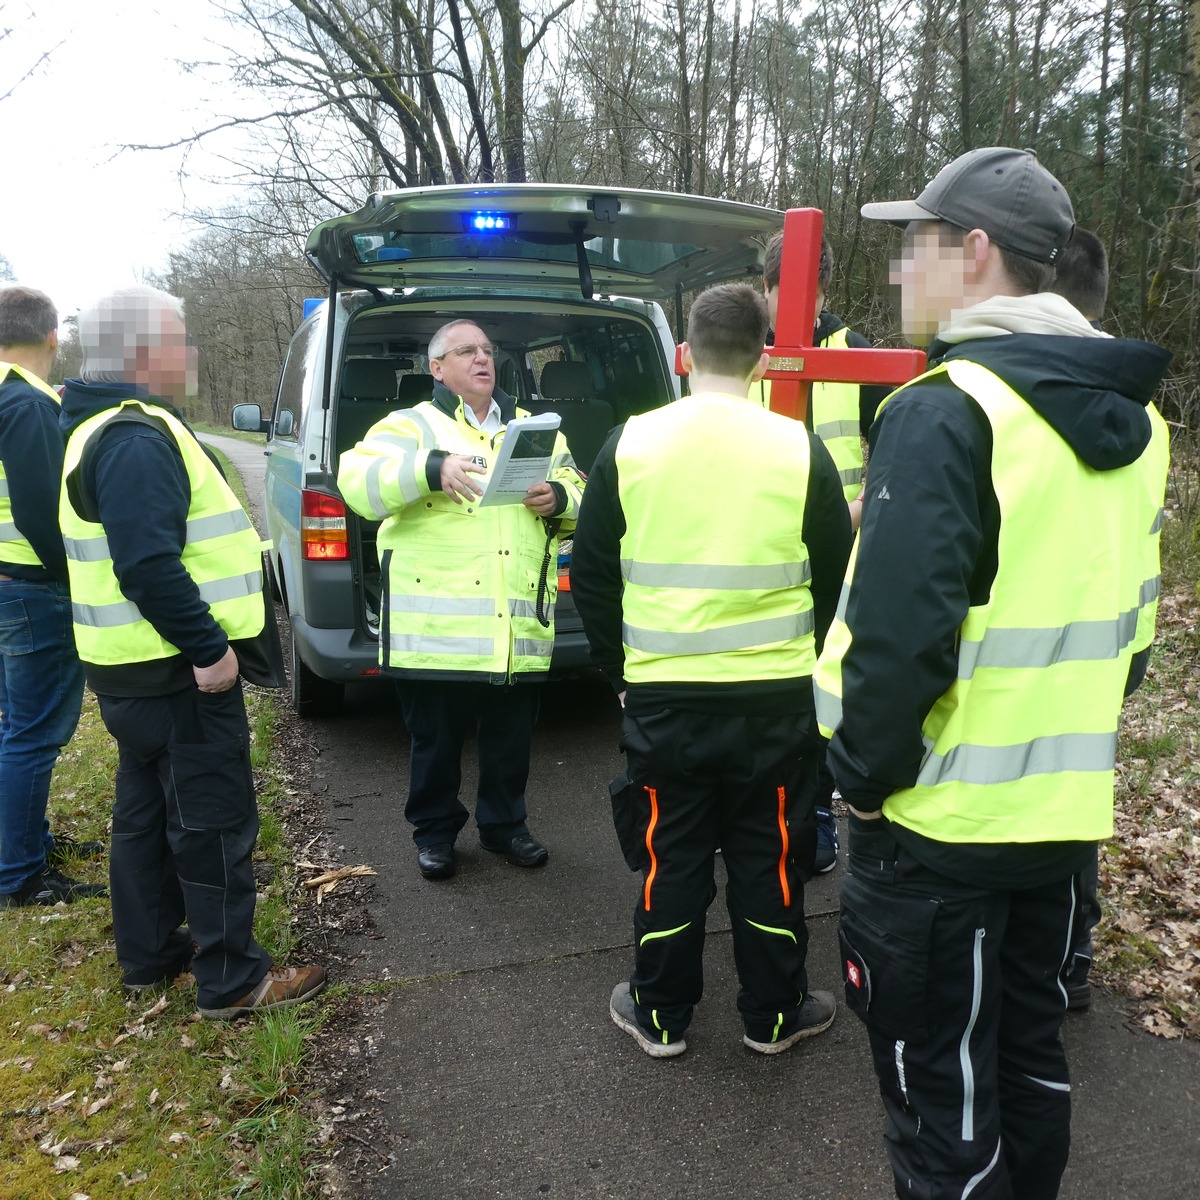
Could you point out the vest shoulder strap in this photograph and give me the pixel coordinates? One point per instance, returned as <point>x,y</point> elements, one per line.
<point>82,501</point>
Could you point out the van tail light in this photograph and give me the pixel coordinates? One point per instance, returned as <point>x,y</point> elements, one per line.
<point>323,534</point>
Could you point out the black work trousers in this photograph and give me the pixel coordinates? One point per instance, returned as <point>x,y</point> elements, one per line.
<point>959,987</point>
<point>184,826</point>
<point>439,715</point>
<point>746,784</point>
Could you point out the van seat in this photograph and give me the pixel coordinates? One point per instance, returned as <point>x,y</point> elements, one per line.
<point>368,394</point>
<point>586,420</point>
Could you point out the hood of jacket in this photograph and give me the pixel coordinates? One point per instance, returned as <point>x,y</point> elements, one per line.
<point>1090,388</point>
<point>83,400</point>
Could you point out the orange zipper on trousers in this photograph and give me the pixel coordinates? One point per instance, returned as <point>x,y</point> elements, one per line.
<point>783,854</point>
<point>653,794</point>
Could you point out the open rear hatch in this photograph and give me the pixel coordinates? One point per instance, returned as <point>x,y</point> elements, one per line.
<point>619,241</point>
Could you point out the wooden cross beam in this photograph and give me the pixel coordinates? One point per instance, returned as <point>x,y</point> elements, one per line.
<point>795,361</point>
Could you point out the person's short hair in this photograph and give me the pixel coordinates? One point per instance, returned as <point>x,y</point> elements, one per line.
<point>440,342</point>
<point>773,262</point>
<point>113,329</point>
<point>727,327</point>
<point>1027,274</point>
<point>27,317</point>
<point>1081,274</point>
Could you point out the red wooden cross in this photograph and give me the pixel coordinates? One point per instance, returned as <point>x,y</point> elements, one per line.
<point>795,361</point>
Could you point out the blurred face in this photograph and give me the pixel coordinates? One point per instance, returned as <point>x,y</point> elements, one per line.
<point>772,295</point>
<point>167,367</point>
<point>467,366</point>
<point>931,273</point>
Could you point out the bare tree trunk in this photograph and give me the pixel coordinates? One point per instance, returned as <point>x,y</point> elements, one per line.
<point>964,76</point>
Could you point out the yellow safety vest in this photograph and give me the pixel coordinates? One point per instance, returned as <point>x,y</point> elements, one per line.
<point>708,597</point>
<point>14,546</point>
<point>1022,746</point>
<point>221,554</point>
<point>835,420</point>
<point>462,581</point>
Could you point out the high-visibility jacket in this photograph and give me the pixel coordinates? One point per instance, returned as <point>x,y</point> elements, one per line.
<point>1022,746</point>
<point>221,554</point>
<point>708,598</point>
<point>835,419</point>
<point>14,546</point>
<point>461,581</point>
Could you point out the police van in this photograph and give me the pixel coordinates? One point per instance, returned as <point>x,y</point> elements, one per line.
<point>571,285</point>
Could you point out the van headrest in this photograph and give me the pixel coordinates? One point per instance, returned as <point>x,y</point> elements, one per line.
<point>567,381</point>
<point>414,389</point>
<point>369,378</point>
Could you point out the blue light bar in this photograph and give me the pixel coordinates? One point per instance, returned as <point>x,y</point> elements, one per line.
<point>491,222</point>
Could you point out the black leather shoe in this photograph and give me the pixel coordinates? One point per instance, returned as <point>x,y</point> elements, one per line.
<point>436,862</point>
<point>524,850</point>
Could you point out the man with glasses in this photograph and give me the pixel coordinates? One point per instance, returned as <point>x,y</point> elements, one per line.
<point>467,614</point>
<point>1005,578</point>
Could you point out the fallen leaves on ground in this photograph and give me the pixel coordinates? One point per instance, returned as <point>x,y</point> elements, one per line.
<point>1148,944</point>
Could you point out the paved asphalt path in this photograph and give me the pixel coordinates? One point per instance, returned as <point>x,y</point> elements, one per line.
<point>502,1075</point>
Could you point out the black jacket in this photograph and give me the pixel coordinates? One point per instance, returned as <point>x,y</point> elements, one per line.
<point>596,585</point>
<point>929,541</point>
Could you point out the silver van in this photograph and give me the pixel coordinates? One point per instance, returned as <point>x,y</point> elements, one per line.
<point>569,282</point>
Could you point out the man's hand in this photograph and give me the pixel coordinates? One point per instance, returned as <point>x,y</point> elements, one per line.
<point>541,499</point>
<point>221,676</point>
<point>457,483</point>
<point>862,816</point>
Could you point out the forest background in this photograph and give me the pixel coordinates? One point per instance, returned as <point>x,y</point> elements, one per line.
<point>779,102</point>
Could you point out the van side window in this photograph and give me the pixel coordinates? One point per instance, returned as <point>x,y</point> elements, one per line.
<point>286,421</point>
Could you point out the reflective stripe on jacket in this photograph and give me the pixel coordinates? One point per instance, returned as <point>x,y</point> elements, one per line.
<point>461,581</point>
<point>14,546</point>
<point>1022,746</point>
<point>221,554</point>
<point>706,597</point>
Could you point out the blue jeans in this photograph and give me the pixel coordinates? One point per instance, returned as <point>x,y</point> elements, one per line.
<point>41,690</point>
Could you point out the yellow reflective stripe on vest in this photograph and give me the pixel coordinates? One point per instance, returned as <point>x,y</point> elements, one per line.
<point>1075,752</point>
<point>745,636</point>
<point>446,647</point>
<point>1035,648</point>
<point>125,612</point>
<point>715,576</point>
<point>444,606</point>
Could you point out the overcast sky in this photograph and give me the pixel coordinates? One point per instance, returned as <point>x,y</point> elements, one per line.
<point>77,215</point>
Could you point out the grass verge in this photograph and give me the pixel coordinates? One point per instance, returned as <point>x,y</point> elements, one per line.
<point>101,1092</point>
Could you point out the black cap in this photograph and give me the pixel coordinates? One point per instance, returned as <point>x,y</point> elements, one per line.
<point>1006,193</point>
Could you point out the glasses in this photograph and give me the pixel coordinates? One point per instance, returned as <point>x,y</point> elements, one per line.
<point>486,349</point>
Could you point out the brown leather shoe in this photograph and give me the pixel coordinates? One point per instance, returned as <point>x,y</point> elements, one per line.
<point>280,987</point>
